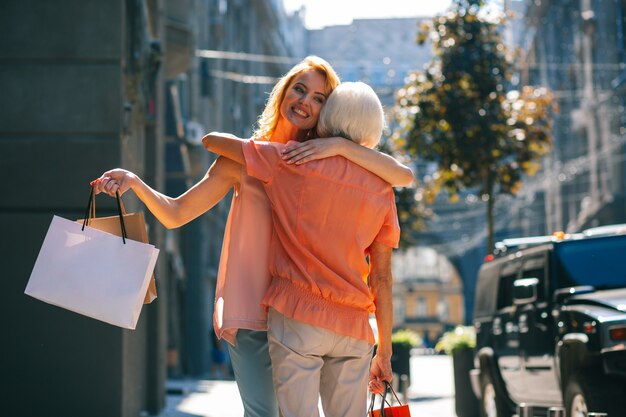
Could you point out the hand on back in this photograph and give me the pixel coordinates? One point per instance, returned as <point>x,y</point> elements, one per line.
<point>311,150</point>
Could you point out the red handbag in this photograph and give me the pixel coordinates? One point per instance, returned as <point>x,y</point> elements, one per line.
<point>390,411</point>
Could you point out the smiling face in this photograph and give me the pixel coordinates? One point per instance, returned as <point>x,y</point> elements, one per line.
<point>273,124</point>
<point>304,100</point>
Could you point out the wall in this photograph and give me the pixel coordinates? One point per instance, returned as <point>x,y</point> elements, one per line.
<point>61,125</point>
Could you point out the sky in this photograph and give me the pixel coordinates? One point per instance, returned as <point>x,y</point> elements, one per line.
<point>320,13</point>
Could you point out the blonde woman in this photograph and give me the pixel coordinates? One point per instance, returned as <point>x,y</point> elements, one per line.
<point>291,113</point>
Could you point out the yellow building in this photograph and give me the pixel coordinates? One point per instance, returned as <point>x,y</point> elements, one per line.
<point>427,293</point>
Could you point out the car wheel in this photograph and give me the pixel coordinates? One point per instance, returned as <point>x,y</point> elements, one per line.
<point>577,404</point>
<point>491,404</point>
<point>586,394</point>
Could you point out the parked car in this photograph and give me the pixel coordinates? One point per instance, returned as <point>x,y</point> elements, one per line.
<point>550,319</point>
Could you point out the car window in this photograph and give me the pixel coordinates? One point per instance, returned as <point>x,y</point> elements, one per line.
<point>486,290</point>
<point>535,268</point>
<point>505,291</point>
<point>508,275</point>
<point>595,261</point>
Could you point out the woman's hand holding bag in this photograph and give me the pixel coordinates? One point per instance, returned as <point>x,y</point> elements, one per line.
<point>390,411</point>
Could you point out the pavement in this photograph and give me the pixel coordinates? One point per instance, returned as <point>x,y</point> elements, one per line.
<point>431,393</point>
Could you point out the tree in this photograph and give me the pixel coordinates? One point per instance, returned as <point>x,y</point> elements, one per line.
<point>410,204</point>
<point>412,215</point>
<point>458,114</point>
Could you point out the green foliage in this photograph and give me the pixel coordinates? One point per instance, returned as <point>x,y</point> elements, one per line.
<point>458,113</point>
<point>406,337</point>
<point>462,337</point>
<point>410,204</point>
<point>412,214</point>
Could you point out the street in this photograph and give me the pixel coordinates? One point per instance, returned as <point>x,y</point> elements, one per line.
<point>431,393</point>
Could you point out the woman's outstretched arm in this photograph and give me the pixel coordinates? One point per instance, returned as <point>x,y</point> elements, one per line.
<point>378,163</point>
<point>175,212</point>
<point>225,144</point>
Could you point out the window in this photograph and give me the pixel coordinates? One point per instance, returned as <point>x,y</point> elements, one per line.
<point>421,308</point>
<point>505,291</point>
<point>535,268</point>
<point>442,310</point>
<point>508,275</point>
<point>399,311</point>
<point>597,262</point>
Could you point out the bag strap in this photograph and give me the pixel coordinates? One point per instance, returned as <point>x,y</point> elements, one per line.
<point>121,204</point>
<point>90,212</point>
<point>119,210</point>
<point>382,401</point>
<point>393,392</point>
<point>89,209</point>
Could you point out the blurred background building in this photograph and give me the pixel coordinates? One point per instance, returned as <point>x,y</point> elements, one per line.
<point>379,52</point>
<point>576,48</point>
<point>81,94</point>
<point>427,293</point>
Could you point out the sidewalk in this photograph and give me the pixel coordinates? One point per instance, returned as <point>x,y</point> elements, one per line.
<point>431,393</point>
<point>201,398</point>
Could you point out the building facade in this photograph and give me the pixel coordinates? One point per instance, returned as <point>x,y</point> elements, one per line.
<point>576,48</point>
<point>81,95</point>
<point>379,52</point>
<point>427,293</point>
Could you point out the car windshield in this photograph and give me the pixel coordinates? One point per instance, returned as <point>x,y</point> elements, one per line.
<point>599,262</point>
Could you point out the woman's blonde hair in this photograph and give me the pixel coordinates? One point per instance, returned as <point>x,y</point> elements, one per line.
<point>269,118</point>
<point>353,111</point>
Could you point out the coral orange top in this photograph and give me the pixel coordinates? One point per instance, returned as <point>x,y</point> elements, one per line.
<point>325,214</point>
<point>243,276</point>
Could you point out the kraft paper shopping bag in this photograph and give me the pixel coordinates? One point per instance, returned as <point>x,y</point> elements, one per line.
<point>92,272</point>
<point>135,226</point>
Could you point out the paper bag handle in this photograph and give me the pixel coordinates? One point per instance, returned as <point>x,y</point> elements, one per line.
<point>388,388</point>
<point>90,212</point>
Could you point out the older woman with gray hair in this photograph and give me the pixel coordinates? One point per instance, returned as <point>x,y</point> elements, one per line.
<point>329,216</point>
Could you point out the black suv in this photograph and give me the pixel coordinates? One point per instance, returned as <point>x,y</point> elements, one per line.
<point>550,319</point>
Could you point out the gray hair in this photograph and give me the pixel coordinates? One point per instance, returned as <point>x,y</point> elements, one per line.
<point>353,111</point>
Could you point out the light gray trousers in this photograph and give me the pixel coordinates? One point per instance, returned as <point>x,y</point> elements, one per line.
<point>309,362</point>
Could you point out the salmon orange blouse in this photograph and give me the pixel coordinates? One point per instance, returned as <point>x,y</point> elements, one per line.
<point>326,214</point>
<point>243,276</point>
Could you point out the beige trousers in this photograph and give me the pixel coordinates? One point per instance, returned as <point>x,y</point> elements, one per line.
<point>309,362</point>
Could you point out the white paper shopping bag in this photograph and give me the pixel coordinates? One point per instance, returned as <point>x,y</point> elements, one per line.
<point>93,273</point>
